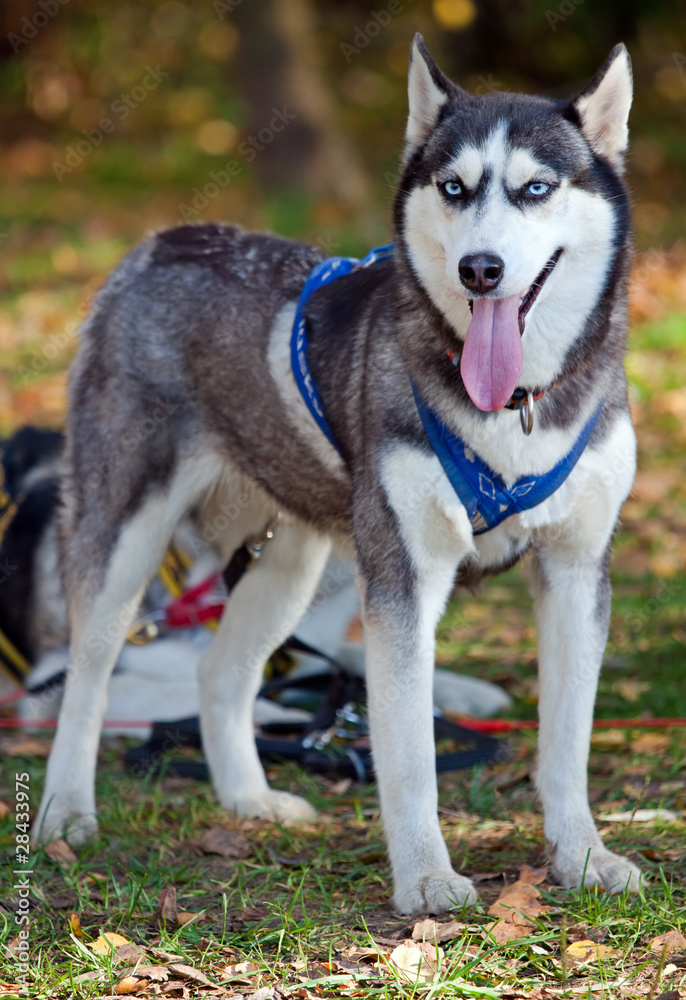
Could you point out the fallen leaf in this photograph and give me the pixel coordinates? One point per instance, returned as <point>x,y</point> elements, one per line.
<point>264,993</point>
<point>16,944</point>
<point>166,956</point>
<point>167,909</point>
<point>191,974</point>
<point>631,689</point>
<point>581,952</point>
<point>503,931</point>
<point>160,973</point>
<point>360,954</point>
<point>29,746</point>
<point>416,964</point>
<point>129,984</point>
<point>183,917</point>
<point>226,843</point>
<point>651,743</point>
<point>518,904</point>
<point>60,851</point>
<point>75,926</point>
<point>239,969</point>
<point>4,809</point>
<point>533,876</point>
<point>669,995</point>
<point>432,931</point>
<point>129,952</point>
<point>95,878</point>
<point>492,836</point>
<point>108,943</point>
<point>670,942</point>
<point>608,739</point>
<point>92,977</point>
<point>338,787</point>
<point>639,816</point>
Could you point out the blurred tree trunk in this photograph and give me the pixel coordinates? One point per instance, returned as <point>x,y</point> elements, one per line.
<point>278,66</point>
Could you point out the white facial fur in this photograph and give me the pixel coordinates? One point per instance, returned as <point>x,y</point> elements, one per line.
<point>439,234</point>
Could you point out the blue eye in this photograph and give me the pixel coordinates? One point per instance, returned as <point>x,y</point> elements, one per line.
<point>538,189</point>
<point>453,189</point>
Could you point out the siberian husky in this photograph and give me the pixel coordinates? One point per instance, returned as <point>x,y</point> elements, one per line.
<point>398,431</point>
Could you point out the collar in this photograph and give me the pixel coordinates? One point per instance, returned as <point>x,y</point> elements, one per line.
<point>521,399</point>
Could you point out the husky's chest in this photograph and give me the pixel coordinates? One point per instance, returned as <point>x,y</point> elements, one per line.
<point>435,522</point>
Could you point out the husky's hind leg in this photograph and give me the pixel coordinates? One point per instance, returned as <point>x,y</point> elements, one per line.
<point>107,563</point>
<point>261,613</point>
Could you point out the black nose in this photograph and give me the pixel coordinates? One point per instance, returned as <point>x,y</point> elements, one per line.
<point>481,272</point>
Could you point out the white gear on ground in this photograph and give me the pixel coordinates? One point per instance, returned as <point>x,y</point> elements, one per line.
<point>158,681</point>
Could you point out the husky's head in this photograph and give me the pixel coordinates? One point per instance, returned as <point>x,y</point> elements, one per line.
<point>512,206</point>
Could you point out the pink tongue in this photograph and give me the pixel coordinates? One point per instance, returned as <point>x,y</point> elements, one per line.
<point>492,357</point>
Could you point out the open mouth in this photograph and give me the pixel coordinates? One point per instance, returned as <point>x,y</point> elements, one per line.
<point>536,287</point>
<point>492,356</point>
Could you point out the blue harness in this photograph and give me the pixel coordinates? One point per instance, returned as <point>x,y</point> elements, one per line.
<point>483,492</point>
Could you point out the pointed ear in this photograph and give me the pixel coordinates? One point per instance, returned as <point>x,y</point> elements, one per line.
<point>603,107</point>
<point>428,90</point>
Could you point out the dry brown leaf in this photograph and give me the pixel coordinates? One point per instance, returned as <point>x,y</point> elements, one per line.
<point>652,743</point>
<point>431,930</point>
<point>184,917</point>
<point>265,993</point>
<point>167,908</point>
<point>129,984</point>
<point>166,956</point>
<point>95,878</point>
<point>129,952</point>
<point>239,969</point>
<point>90,977</point>
<point>75,926</point>
<point>226,843</point>
<point>29,746</point>
<point>60,851</point>
<point>518,904</point>
<point>357,953</point>
<point>631,689</point>
<point>503,931</point>
<point>108,943</point>
<point>415,963</point>
<point>159,973</point>
<point>608,739</point>
<point>13,946</point>
<point>671,942</point>
<point>4,809</point>
<point>581,952</point>
<point>491,836</point>
<point>191,974</point>
<point>532,876</point>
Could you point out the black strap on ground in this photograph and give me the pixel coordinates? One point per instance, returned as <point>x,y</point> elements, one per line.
<point>334,689</point>
<point>336,758</point>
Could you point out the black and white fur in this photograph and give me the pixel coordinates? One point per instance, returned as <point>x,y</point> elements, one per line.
<point>197,321</point>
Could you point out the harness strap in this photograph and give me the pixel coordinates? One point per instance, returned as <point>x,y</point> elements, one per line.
<point>323,274</point>
<point>482,491</point>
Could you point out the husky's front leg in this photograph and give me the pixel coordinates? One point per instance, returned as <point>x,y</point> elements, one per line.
<point>573,611</point>
<point>400,664</point>
<point>408,556</point>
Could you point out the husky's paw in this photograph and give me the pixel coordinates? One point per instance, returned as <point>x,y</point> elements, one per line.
<point>598,867</point>
<point>75,827</point>
<point>280,806</point>
<point>436,892</point>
